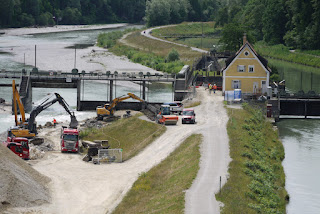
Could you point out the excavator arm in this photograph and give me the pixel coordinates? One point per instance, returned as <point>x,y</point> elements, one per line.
<point>120,99</point>
<point>17,100</point>
<point>108,109</point>
<point>46,104</point>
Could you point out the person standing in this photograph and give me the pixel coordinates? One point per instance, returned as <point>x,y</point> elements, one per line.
<point>210,88</point>
<point>54,122</point>
<point>214,88</point>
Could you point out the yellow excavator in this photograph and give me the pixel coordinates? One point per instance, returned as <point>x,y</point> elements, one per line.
<point>27,128</point>
<point>18,130</point>
<point>108,109</point>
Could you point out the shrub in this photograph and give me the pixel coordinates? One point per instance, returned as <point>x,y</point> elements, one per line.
<point>173,55</point>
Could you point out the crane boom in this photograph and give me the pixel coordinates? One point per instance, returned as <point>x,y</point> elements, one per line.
<point>17,100</point>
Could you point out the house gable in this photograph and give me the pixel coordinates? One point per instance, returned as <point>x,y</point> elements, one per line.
<point>246,67</point>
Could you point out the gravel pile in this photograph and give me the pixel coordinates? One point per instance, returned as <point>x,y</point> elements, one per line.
<point>20,184</point>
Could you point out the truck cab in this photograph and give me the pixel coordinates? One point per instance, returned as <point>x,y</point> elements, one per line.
<point>19,145</point>
<point>69,140</point>
<point>14,147</point>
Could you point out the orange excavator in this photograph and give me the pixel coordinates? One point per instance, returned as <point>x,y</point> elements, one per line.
<point>108,109</point>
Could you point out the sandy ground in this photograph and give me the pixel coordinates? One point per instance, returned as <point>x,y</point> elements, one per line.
<point>57,28</point>
<point>80,187</point>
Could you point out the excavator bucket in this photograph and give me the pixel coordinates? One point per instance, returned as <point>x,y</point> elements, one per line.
<point>73,122</point>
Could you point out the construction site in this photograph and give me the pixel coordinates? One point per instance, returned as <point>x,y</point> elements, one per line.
<point>58,144</point>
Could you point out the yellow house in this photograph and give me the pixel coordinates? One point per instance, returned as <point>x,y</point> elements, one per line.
<point>246,70</point>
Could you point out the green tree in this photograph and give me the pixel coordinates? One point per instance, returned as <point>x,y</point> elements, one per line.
<point>232,36</point>
<point>195,13</point>
<point>71,16</point>
<point>6,14</point>
<point>157,12</point>
<point>274,22</point>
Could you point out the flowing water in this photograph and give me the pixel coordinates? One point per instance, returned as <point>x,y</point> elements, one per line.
<point>93,90</point>
<point>301,140</point>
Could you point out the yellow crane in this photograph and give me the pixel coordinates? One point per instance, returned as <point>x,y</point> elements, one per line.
<point>108,109</point>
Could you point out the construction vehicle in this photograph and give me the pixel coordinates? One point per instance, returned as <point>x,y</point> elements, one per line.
<point>164,116</point>
<point>69,139</point>
<point>27,128</point>
<point>108,109</point>
<point>18,145</point>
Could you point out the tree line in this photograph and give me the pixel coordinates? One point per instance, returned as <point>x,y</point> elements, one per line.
<point>22,13</point>
<point>295,23</point>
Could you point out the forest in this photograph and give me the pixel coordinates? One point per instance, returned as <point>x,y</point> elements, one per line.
<point>295,23</point>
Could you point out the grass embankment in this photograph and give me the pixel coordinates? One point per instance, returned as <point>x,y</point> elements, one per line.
<point>161,190</point>
<point>131,134</point>
<point>193,104</point>
<point>309,58</point>
<point>190,34</point>
<point>149,52</point>
<point>257,179</point>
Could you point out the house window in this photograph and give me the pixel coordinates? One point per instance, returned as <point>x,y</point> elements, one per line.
<point>241,68</point>
<point>236,84</point>
<point>251,68</point>
<point>246,53</point>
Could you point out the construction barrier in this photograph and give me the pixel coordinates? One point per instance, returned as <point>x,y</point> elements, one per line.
<point>109,156</point>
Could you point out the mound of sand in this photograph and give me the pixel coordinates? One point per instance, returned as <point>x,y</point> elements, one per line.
<point>20,184</point>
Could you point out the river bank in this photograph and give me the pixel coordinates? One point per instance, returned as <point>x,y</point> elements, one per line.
<point>58,28</point>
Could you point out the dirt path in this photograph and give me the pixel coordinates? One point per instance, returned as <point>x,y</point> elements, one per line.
<point>80,187</point>
<point>200,198</point>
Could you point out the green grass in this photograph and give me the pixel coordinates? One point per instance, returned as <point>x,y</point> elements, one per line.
<point>131,134</point>
<point>283,53</point>
<point>188,28</point>
<point>159,48</point>
<point>108,40</point>
<point>162,189</point>
<point>172,33</point>
<point>257,179</point>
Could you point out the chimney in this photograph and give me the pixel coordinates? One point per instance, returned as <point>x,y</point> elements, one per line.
<point>244,38</point>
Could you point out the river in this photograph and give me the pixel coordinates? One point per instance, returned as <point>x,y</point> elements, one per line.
<point>55,51</point>
<point>300,138</point>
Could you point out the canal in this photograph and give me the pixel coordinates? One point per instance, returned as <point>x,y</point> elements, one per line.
<point>300,139</point>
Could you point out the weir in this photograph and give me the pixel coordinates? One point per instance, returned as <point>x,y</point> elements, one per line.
<point>52,79</point>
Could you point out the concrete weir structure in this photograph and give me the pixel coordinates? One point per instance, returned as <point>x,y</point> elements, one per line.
<point>180,84</point>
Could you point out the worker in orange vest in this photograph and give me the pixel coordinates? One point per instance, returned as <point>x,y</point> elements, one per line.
<point>54,122</point>
<point>214,88</point>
